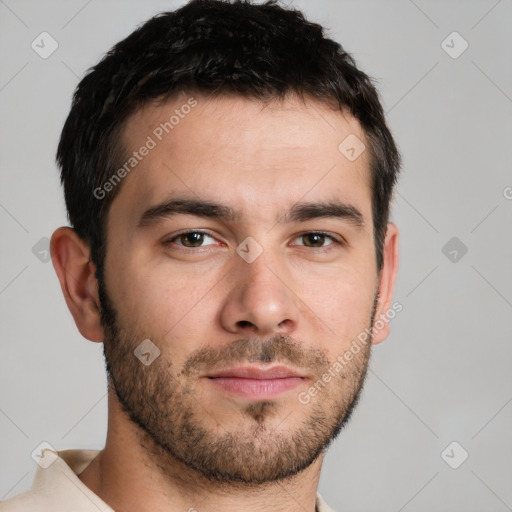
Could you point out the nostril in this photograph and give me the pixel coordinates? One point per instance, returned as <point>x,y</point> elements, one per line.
<point>245,323</point>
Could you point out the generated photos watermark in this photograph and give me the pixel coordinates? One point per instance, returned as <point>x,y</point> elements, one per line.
<point>151,142</point>
<point>344,359</point>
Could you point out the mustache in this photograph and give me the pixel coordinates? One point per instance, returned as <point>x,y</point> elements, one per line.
<point>278,348</point>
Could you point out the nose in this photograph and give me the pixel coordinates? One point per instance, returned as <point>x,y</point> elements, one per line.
<point>260,300</point>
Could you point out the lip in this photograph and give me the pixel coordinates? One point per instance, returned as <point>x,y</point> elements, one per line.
<point>257,383</point>
<point>257,372</point>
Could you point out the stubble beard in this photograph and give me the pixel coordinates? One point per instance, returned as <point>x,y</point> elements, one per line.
<point>175,426</point>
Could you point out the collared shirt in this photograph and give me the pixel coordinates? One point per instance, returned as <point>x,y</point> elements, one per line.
<point>57,488</point>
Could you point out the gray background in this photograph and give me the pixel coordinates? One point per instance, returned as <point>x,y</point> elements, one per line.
<point>444,374</point>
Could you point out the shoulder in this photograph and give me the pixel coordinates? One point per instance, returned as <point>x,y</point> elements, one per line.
<point>25,502</point>
<point>322,505</point>
<point>56,485</point>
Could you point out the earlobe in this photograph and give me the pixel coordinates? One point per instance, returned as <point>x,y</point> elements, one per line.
<point>70,257</point>
<point>386,285</point>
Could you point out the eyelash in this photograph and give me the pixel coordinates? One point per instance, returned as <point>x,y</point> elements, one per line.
<point>168,241</point>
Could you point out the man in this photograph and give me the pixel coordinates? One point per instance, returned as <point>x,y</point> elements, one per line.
<point>228,174</point>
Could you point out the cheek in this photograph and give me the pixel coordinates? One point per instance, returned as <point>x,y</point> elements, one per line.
<point>166,305</point>
<point>343,303</point>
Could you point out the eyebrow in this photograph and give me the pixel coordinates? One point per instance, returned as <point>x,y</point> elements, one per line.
<point>299,212</point>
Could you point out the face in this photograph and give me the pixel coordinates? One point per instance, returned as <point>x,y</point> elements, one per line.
<point>240,247</point>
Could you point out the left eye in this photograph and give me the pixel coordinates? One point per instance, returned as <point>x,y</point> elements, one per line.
<point>196,239</point>
<point>317,239</point>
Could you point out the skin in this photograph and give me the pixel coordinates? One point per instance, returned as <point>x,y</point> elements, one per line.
<point>305,305</point>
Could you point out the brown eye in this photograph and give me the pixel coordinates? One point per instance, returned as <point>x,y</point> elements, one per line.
<point>191,239</point>
<point>317,240</point>
<point>314,239</point>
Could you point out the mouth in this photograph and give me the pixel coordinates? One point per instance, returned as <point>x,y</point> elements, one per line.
<point>257,383</point>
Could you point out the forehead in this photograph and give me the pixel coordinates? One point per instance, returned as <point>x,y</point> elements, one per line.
<point>252,156</point>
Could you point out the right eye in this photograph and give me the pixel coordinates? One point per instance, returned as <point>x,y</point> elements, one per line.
<point>189,239</point>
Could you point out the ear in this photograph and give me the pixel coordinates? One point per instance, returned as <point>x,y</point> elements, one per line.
<point>70,257</point>
<point>386,284</point>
